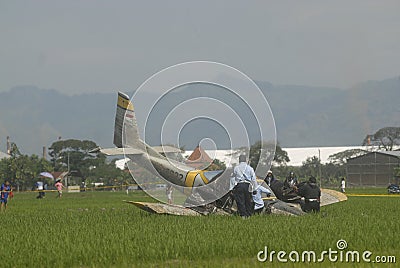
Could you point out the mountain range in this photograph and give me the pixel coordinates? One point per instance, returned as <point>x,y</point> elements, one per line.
<point>304,116</point>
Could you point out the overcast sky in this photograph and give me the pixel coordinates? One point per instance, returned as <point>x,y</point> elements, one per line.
<point>104,46</point>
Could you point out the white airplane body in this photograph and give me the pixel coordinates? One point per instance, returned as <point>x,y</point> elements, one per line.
<point>128,142</point>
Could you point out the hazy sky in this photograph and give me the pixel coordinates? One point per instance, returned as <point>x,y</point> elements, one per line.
<point>104,46</point>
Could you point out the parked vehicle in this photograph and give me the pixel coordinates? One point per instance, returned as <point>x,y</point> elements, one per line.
<point>393,189</point>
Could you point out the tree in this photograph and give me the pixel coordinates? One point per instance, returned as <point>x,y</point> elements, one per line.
<point>76,154</point>
<point>260,158</point>
<point>107,173</point>
<point>281,156</point>
<point>264,159</point>
<point>333,173</point>
<point>92,167</point>
<point>216,165</point>
<point>385,138</point>
<point>341,157</point>
<point>14,151</point>
<point>21,170</point>
<point>310,166</point>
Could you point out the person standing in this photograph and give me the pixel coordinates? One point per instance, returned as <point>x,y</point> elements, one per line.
<point>343,186</point>
<point>257,198</point>
<point>39,188</point>
<point>44,189</point>
<point>5,191</point>
<point>312,194</point>
<point>83,186</point>
<point>242,183</point>
<point>59,187</point>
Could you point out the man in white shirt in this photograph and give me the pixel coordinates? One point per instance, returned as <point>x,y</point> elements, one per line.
<point>343,186</point>
<point>40,188</point>
<point>257,198</point>
<point>242,183</point>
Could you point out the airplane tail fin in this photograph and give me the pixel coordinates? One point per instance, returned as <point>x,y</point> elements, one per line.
<point>126,132</point>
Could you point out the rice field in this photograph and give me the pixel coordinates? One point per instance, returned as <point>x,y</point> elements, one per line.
<point>97,229</point>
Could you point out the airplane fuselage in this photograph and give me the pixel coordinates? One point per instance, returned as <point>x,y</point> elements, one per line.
<point>172,171</point>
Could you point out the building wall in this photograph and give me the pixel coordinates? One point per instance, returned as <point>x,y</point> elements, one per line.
<point>372,169</point>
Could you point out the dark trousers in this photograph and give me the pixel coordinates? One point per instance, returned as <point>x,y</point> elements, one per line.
<point>311,206</point>
<point>41,194</point>
<point>243,199</point>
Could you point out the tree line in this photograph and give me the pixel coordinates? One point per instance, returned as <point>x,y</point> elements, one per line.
<point>76,156</point>
<point>386,138</point>
<point>70,155</point>
<point>329,173</point>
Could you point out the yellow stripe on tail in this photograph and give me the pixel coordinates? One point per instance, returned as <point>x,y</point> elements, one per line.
<point>124,103</point>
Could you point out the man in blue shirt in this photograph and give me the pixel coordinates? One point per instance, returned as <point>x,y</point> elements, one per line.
<point>242,183</point>
<point>5,190</point>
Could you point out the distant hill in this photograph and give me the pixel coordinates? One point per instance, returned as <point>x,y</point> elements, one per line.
<point>304,116</point>
<point>307,116</point>
<point>34,117</point>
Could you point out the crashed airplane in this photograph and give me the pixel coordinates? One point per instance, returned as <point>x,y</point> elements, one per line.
<point>192,181</point>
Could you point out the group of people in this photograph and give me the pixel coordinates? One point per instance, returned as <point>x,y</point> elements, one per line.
<point>42,187</point>
<point>6,192</point>
<point>248,194</point>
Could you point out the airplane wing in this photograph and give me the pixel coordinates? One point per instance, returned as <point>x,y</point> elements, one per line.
<point>329,196</point>
<point>120,151</point>
<point>117,151</point>
<point>159,208</point>
<point>166,149</point>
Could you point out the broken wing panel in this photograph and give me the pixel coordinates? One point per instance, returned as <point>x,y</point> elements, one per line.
<point>329,196</point>
<point>159,208</point>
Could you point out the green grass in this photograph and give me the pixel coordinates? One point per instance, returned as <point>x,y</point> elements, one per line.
<point>367,190</point>
<point>363,190</point>
<point>97,229</point>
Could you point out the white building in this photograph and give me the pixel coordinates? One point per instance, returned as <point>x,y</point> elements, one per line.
<point>296,155</point>
<point>4,155</point>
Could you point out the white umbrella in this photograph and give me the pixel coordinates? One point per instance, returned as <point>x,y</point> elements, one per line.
<point>47,175</point>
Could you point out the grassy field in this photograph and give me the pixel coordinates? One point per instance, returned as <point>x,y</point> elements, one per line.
<point>97,229</point>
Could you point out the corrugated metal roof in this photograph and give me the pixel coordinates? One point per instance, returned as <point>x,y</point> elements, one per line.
<point>392,153</point>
